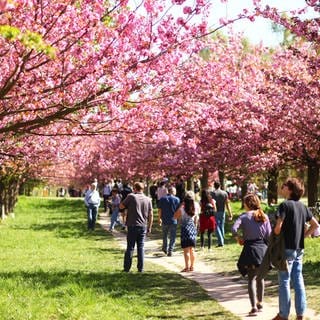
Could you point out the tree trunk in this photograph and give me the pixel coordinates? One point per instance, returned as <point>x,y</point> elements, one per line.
<point>272,178</point>
<point>244,190</point>
<point>190,185</point>
<point>313,177</point>
<point>221,180</point>
<point>204,179</point>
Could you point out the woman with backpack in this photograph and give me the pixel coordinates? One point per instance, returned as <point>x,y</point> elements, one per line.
<point>207,219</point>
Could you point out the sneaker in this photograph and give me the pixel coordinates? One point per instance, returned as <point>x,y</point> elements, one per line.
<point>253,312</point>
<point>278,317</point>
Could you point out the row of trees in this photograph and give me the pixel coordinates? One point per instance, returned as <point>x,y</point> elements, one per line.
<point>142,93</point>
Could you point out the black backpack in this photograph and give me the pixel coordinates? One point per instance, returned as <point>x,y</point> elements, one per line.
<point>209,210</point>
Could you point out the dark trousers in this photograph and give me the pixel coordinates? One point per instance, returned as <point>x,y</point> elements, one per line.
<point>209,239</point>
<point>255,287</point>
<point>135,235</point>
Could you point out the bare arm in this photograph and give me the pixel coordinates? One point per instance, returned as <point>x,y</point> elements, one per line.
<point>277,228</point>
<point>160,216</point>
<point>313,226</point>
<point>150,221</point>
<point>177,214</point>
<point>228,207</point>
<point>122,206</point>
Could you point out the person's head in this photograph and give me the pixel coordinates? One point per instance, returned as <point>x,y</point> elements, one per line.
<point>172,190</point>
<point>162,183</point>
<point>252,203</point>
<point>189,204</point>
<point>216,184</point>
<point>114,191</point>
<point>205,196</point>
<point>292,189</point>
<point>138,186</point>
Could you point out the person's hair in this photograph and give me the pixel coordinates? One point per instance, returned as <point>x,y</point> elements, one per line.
<point>252,201</point>
<point>296,187</point>
<point>216,184</point>
<point>116,190</point>
<point>190,194</point>
<point>138,186</point>
<point>189,206</point>
<point>205,197</point>
<point>172,190</point>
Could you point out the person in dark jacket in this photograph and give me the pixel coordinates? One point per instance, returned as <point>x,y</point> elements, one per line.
<point>256,229</point>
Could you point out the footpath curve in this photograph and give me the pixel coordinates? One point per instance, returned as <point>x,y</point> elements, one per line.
<point>231,293</point>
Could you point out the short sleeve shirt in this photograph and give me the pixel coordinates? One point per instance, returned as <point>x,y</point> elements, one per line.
<point>168,205</point>
<point>220,197</point>
<point>139,208</point>
<point>294,215</point>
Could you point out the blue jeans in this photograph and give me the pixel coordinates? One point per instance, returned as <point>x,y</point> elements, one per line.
<point>115,220</point>
<point>294,258</point>
<point>171,230</point>
<point>135,235</point>
<point>220,220</point>
<point>92,211</point>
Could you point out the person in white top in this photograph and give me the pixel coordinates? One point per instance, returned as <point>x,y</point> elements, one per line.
<point>92,202</point>
<point>162,190</point>
<point>106,192</point>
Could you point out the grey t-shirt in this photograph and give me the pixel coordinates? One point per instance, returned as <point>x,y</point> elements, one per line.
<point>221,197</point>
<point>139,207</point>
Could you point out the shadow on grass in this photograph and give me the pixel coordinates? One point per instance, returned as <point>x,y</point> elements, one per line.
<point>165,286</point>
<point>311,273</point>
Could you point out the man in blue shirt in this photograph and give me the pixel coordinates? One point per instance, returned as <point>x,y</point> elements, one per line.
<point>168,205</point>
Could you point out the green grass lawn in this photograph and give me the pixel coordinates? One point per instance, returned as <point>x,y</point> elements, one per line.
<point>52,268</point>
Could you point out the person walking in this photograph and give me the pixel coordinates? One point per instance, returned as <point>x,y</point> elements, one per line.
<point>167,207</point>
<point>222,203</point>
<point>92,202</point>
<point>123,212</point>
<point>188,219</point>
<point>292,216</point>
<point>207,220</point>
<point>162,190</point>
<point>106,193</point>
<point>180,188</point>
<point>115,215</point>
<point>255,230</point>
<point>139,223</point>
